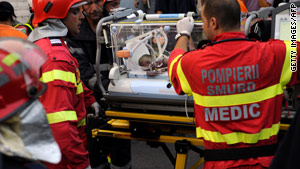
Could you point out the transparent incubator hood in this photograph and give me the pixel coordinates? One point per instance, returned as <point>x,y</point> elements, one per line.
<point>142,49</point>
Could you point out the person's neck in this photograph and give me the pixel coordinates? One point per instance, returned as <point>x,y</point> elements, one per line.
<point>228,30</point>
<point>92,24</point>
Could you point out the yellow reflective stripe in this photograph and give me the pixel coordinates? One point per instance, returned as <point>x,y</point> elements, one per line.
<point>171,66</point>
<point>183,81</point>
<point>108,159</point>
<point>30,27</point>
<point>81,122</point>
<point>237,137</point>
<point>61,116</point>
<point>1,69</point>
<point>286,73</point>
<point>61,75</point>
<point>58,75</point>
<point>17,25</point>
<point>25,24</point>
<point>10,59</point>
<point>79,89</point>
<point>238,99</point>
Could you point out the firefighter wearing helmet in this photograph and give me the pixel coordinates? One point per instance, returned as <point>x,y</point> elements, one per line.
<point>20,109</point>
<point>67,98</point>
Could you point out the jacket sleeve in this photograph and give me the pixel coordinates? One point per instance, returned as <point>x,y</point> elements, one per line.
<point>86,69</point>
<point>178,71</point>
<point>89,98</point>
<point>60,97</point>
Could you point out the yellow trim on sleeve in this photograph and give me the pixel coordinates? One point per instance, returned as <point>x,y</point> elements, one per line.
<point>61,116</point>
<point>171,66</point>
<point>58,75</point>
<point>183,81</point>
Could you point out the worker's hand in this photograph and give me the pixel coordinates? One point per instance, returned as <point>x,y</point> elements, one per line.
<point>185,26</point>
<point>96,108</point>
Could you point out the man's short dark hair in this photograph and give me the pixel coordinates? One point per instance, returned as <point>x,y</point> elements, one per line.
<point>6,11</point>
<point>227,12</point>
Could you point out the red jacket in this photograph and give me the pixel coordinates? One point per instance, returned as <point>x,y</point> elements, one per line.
<point>65,101</point>
<point>237,88</point>
<point>65,91</point>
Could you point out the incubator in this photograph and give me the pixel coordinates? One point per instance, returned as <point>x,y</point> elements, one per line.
<point>141,49</point>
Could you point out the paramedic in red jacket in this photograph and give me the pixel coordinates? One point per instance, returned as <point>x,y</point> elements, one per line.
<point>67,98</point>
<point>237,86</point>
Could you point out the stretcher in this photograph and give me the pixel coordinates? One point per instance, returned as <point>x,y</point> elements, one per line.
<point>142,102</point>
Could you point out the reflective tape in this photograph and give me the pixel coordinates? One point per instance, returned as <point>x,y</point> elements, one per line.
<point>76,50</point>
<point>251,97</point>
<point>237,137</point>
<point>238,99</point>
<point>183,81</point>
<point>10,59</point>
<point>19,69</point>
<point>61,116</point>
<point>79,89</point>
<point>4,80</point>
<point>81,122</point>
<point>171,66</point>
<point>58,75</point>
<point>64,76</point>
<point>104,67</point>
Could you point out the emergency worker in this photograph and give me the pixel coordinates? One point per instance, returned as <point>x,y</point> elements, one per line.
<point>109,5</point>
<point>83,47</point>
<point>67,98</point>
<point>237,86</point>
<point>20,110</point>
<point>7,17</point>
<point>28,26</point>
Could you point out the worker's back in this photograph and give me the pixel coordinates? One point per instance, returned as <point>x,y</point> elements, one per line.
<point>237,87</point>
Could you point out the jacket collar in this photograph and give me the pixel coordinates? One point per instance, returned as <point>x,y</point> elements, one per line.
<point>49,28</point>
<point>228,35</point>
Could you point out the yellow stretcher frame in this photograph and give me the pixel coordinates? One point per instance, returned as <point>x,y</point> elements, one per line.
<point>180,157</point>
<point>123,122</point>
<point>155,118</point>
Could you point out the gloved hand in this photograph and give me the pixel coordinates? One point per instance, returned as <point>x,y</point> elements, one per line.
<point>96,108</point>
<point>185,27</point>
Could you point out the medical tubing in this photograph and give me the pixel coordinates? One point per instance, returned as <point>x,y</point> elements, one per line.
<point>166,41</point>
<point>158,44</point>
<point>186,110</point>
<point>161,50</point>
<point>142,41</point>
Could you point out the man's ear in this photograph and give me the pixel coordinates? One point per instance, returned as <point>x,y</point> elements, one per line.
<point>213,23</point>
